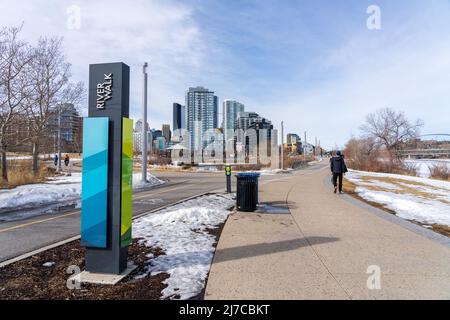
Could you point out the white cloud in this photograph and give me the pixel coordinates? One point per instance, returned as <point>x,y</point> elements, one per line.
<point>405,66</point>
<point>160,32</point>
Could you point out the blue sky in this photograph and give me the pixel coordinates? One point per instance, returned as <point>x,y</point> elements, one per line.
<point>313,64</point>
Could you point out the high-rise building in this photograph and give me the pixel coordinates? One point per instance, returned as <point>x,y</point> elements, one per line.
<point>179,123</point>
<point>160,144</point>
<point>138,126</point>
<point>202,114</point>
<point>156,134</point>
<point>137,145</point>
<point>216,113</point>
<point>179,116</point>
<point>251,120</point>
<point>245,119</point>
<point>294,143</point>
<point>231,109</point>
<point>70,127</point>
<point>166,132</point>
<point>138,137</point>
<point>292,138</point>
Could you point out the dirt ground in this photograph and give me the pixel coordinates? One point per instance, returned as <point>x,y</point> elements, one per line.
<point>29,279</point>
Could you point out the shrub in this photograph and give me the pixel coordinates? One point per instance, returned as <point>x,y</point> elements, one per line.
<point>20,173</point>
<point>439,170</point>
<point>362,154</point>
<point>410,168</point>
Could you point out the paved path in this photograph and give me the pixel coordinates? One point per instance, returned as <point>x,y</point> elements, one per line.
<point>312,244</point>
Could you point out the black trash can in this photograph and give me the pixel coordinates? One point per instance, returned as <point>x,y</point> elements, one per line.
<point>247,191</point>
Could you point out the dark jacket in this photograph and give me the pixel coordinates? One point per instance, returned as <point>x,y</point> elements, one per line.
<point>337,165</point>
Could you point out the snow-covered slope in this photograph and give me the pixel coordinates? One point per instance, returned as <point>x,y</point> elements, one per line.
<point>413,198</point>
<point>182,233</point>
<point>423,165</point>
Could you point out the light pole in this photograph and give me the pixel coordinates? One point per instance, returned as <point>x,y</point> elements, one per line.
<point>144,126</point>
<point>305,148</point>
<point>282,145</point>
<point>59,138</point>
<point>315,147</point>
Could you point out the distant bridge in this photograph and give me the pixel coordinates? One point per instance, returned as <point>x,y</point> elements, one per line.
<point>428,153</point>
<point>425,153</point>
<point>446,135</point>
<point>421,153</point>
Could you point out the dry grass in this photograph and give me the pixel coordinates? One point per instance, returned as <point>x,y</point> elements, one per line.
<point>170,169</point>
<point>442,229</point>
<point>440,171</point>
<point>20,173</point>
<point>410,169</point>
<point>405,187</point>
<point>385,166</point>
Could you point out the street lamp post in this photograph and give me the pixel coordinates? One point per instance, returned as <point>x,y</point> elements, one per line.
<point>59,139</point>
<point>305,148</point>
<point>282,145</point>
<point>144,126</point>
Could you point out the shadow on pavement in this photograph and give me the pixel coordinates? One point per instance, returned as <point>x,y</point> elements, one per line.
<point>262,249</point>
<point>282,204</point>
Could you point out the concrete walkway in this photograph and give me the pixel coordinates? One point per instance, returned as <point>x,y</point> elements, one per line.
<point>313,244</point>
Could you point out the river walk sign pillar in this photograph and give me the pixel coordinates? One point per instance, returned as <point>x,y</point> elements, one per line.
<point>107,170</point>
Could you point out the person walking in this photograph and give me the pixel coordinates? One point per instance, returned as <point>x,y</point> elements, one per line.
<point>338,169</point>
<point>66,160</point>
<point>55,159</point>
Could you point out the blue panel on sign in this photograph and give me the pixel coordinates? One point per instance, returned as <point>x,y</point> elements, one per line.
<point>94,192</point>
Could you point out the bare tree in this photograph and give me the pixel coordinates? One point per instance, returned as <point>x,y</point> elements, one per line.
<point>15,55</point>
<point>52,90</point>
<point>390,129</point>
<point>362,154</point>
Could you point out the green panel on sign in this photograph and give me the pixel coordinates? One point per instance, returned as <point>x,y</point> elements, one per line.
<point>127,181</point>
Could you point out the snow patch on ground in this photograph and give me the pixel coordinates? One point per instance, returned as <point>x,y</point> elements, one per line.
<point>318,160</point>
<point>48,264</point>
<point>423,165</point>
<point>379,184</point>
<point>65,189</point>
<point>206,169</point>
<point>55,193</point>
<point>426,201</point>
<point>181,232</point>
<point>151,181</point>
<point>269,172</point>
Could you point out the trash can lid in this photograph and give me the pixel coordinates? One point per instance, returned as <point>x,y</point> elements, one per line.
<point>249,174</point>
